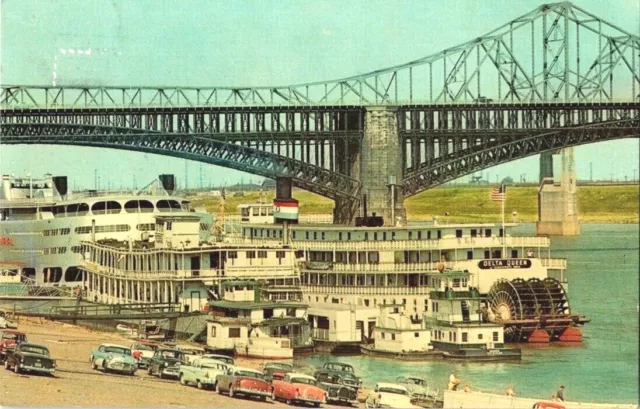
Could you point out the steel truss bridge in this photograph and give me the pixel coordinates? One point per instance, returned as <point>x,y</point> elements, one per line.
<point>555,77</point>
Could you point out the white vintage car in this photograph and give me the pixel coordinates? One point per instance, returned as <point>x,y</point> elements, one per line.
<point>202,373</point>
<point>389,395</point>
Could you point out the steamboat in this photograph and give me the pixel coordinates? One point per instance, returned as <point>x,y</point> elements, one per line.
<point>42,224</point>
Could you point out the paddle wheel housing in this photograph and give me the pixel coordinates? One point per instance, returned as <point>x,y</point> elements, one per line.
<point>534,310</point>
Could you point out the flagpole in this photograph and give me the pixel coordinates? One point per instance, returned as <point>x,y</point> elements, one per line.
<point>504,197</point>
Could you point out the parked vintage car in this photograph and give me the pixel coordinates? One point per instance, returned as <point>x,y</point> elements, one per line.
<point>143,351</point>
<point>298,388</point>
<point>116,358</point>
<point>341,387</point>
<point>418,387</point>
<point>9,338</point>
<point>547,405</point>
<point>243,381</point>
<point>190,352</point>
<point>202,372</point>
<point>27,357</point>
<point>389,395</point>
<point>166,363</point>
<point>341,368</point>
<point>223,358</point>
<point>276,370</point>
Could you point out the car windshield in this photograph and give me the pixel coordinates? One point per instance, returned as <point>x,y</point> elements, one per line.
<point>306,381</point>
<point>340,367</point>
<point>222,358</point>
<point>15,337</point>
<point>388,389</point>
<point>416,381</point>
<point>32,349</point>
<point>250,374</point>
<point>140,347</point>
<point>192,351</point>
<point>171,354</point>
<point>215,366</point>
<point>118,350</point>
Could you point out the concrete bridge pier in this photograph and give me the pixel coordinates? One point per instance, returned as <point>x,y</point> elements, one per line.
<point>557,203</point>
<point>381,165</point>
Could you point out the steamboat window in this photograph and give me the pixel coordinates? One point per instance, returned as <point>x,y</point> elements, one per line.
<point>382,335</point>
<point>419,235</point>
<point>465,337</point>
<point>29,272</point>
<point>487,254</point>
<point>262,254</point>
<point>458,234</point>
<point>146,227</point>
<point>429,235</point>
<point>59,211</point>
<point>454,337</point>
<point>495,336</point>
<point>470,255</point>
<point>514,253</point>
<point>280,254</point>
<point>474,233</point>
<point>315,235</point>
<point>255,211</point>
<point>234,332</point>
<point>270,211</point>
<point>340,236</point>
<point>487,232</point>
<point>52,274</point>
<point>307,235</point>
<point>366,236</point>
<point>384,236</point>
<point>251,254</point>
<point>375,236</point>
<point>416,334</point>
<point>393,337</point>
<point>393,235</point>
<point>497,254</point>
<point>269,234</point>
<point>294,234</point>
<point>348,235</point>
<point>263,211</point>
<point>72,274</point>
<point>83,209</point>
<point>366,303</point>
<point>439,234</point>
<point>479,337</point>
<point>426,305</point>
<point>323,236</point>
<point>72,209</point>
<point>232,254</point>
<point>166,205</point>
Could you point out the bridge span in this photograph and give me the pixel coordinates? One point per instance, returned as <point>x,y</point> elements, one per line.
<point>523,89</point>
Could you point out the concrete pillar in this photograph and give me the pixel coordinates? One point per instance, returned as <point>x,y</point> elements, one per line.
<point>557,203</point>
<point>382,165</point>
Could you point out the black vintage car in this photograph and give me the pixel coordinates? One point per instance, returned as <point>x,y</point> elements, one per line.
<point>166,363</point>
<point>341,387</point>
<point>27,357</point>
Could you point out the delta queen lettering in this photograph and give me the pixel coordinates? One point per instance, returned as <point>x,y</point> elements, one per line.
<point>504,263</point>
<point>6,241</point>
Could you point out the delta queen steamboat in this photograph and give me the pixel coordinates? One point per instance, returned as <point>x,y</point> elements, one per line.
<point>42,224</point>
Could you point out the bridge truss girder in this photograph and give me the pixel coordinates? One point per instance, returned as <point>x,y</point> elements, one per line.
<point>202,148</point>
<point>545,55</point>
<point>491,154</point>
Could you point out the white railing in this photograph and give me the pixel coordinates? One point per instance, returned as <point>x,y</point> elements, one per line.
<point>364,290</point>
<point>321,218</point>
<point>560,263</point>
<point>320,333</point>
<point>239,272</point>
<point>386,267</point>
<point>446,243</point>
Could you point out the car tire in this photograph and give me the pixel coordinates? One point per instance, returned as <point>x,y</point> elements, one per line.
<point>93,364</point>
<point>104,367</point>
<point>316,405</point>
<point>6,365</point>
<point>16,369</point>
<point>273,396</point>
<point>231,392</point>
<point>218,388</point>
<point>200,385</point>
<point>288,401</point>
<point>150,371</point>
<point>263,398</point>
<point>182,381</point>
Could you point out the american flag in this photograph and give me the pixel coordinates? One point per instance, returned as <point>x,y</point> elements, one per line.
<point>499,193</point>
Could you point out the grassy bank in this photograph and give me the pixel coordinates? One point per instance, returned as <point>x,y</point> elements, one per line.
<point>596,204</point>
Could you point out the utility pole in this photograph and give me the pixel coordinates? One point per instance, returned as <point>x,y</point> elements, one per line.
<point>201,176</point>
<point>634,174</point>
<point>186,170</point>
<point>591,171</point>
<point>95,179</point>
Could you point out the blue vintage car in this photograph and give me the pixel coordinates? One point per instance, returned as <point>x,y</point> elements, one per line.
<point>115,358</point>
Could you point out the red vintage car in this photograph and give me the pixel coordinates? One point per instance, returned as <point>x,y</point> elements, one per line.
<point>298,388</point>
<point>9,338</point>
<point>243,381</point>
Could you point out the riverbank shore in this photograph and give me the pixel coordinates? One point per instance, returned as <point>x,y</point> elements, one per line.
<point>467,204</point>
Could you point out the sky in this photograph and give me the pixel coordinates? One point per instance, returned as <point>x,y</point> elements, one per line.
<point>239,43</point>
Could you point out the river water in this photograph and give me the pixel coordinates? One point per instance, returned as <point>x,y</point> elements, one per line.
<point>603,285</point>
